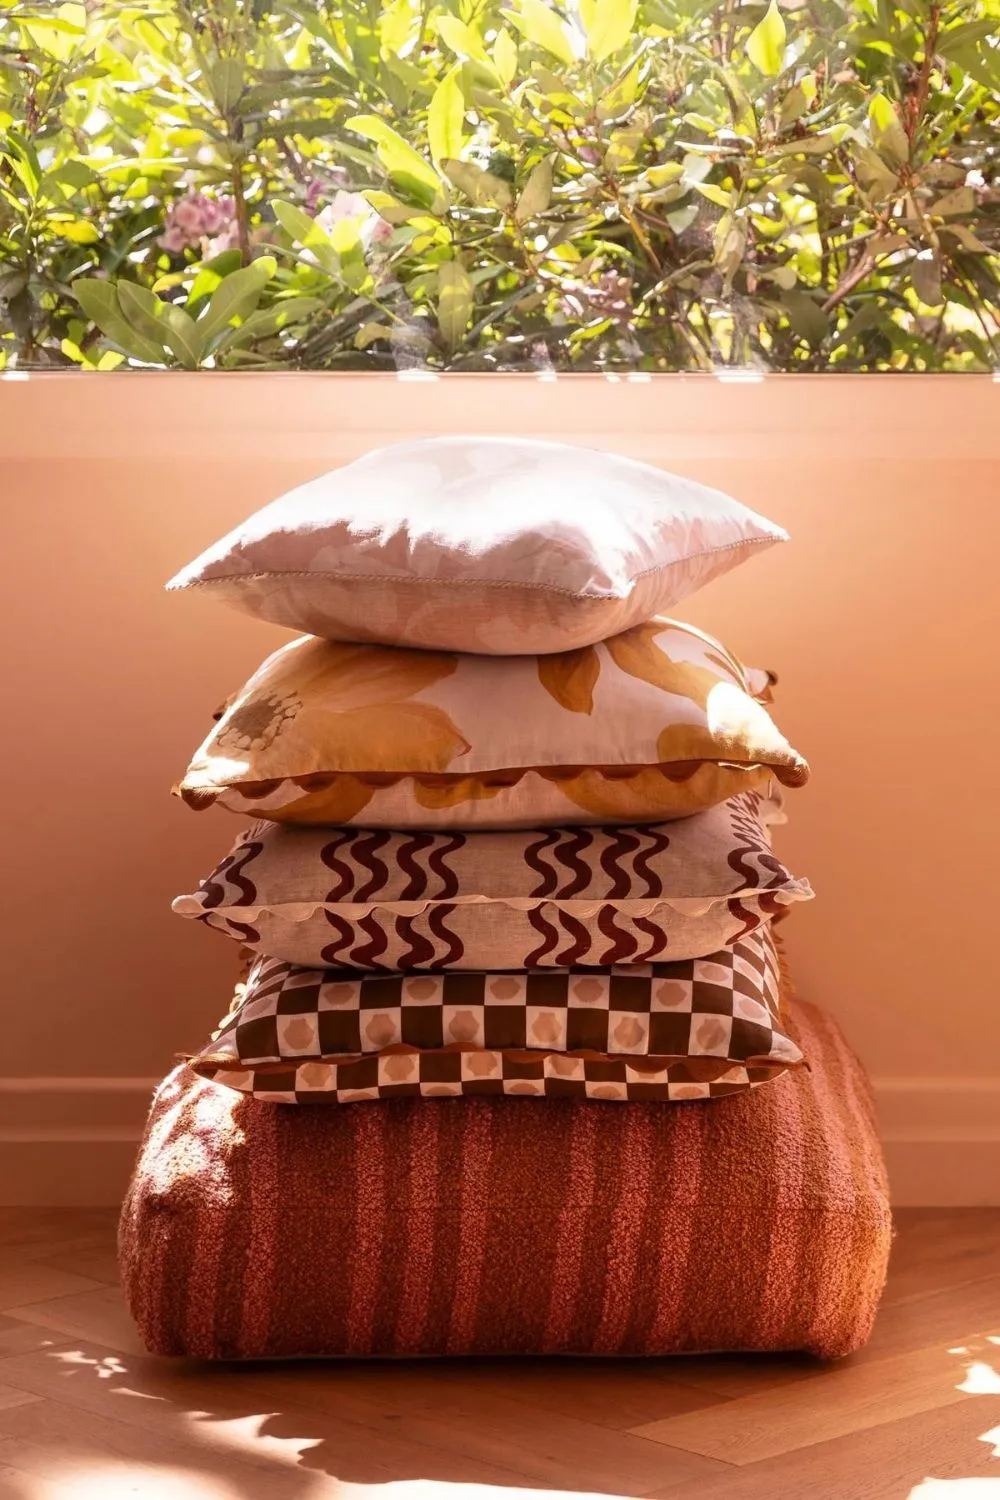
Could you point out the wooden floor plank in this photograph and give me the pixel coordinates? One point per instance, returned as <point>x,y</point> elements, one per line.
<point>57,1443</point>
<point>616,1393</point>
<point>845,1399</point>
<point>942,1247</point>
<point>544,1445</point>
<point>32,1281</point>
<point>98,1315</point>
<point>888,1462</point>
<point>98,1262</point>
<point>183,1397</point>
<point>18,1337</point>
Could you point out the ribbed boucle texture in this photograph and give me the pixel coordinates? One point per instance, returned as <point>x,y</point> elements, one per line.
<point>505,1225</point>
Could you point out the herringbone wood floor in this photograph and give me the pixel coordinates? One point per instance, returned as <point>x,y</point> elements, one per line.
<point>84,1413</point>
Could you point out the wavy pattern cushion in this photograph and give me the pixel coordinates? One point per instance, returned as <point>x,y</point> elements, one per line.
<point>512,1226</point>
<point>372,899</point>
<point>496,545</point>
<point>652,724</point>
<point>700,1029</point>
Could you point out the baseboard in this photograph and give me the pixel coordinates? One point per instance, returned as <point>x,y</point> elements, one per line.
<point>71,1142</point>
<point>942,1140</point>
<point>83,1173</point>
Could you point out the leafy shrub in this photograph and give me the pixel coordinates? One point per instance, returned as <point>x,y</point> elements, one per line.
<point>668,185</point>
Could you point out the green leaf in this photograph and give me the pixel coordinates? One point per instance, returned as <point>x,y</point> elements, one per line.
<point>621,95</point>
<point>806,317</point>
<point>69,175</point>
<point>23,169</point>
<point>208,277</point>
<point>730,244</point>
<point>609,25</point>
<point>454,302</point>
<point>784,276</point>
<point>226,78</point>
<point>99,300</point>
<point>405,165</point>
<point>721,197</point>
<point>694,169</point>
<point>388,207</point>
<point>540,25</point>
<point>958,37</point>
<point>887,131</point>
<point>505,57</point>
<point>873,174</point>
<point>446,118</point>
<point>809,145</point>
<point>536,194</point>
<point>77,231</point>
<point>925,274</point>
<point>966,238</point>
<point>368,333</point>
<point>462,39</point>
<point>797,101</point>
<point>156,319</point>
<point>623,146</point>
<point>681,219</point>
<point>236,297</point>
<point>766,43</point>
<point>961,200</point>
<point>267,321</point>
<point>396,27</point>
<point>182,335</point>
<point>481,187</point>
<point>302,230</point>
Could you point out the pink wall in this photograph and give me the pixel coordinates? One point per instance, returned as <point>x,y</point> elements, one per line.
<point>881,618</point>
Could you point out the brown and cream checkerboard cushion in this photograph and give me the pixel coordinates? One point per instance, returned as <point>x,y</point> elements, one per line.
<point>688,1030</point>
<point>509,1226</point>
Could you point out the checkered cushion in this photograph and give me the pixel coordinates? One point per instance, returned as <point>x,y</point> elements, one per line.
<point>686,1030</point>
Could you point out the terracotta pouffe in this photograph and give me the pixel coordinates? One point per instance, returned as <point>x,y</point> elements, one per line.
<point>511,1226</point>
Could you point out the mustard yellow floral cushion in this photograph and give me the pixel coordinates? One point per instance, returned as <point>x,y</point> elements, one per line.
<point>652,724</point>
<point>488,544</point>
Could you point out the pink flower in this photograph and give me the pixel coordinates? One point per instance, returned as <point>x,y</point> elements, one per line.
<point>372,228</point>
<point>322,187</point>
<point>218,215</point>
<point>196,217</point>
<point>343,206</point>
<point>173,239</point>
<point>229,239</point>
<point>187,214</point>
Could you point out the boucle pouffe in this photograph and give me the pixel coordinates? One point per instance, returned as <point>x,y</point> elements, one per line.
<point>512,1226</point>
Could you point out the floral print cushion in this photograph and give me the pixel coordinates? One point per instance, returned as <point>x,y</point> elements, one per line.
<point>495,545</point>
<point>652,724</point>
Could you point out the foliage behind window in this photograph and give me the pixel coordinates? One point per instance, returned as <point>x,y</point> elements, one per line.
<point>673,185</point>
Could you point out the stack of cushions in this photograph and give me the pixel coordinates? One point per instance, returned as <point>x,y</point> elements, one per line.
<point>509,836</point>
<point>499,849</point>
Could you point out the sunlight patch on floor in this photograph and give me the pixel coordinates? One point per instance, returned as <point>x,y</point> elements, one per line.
<point>131,1482</point>
<point>981,1379</point>
<point>439,1489</point>
<point>956,1489</point>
